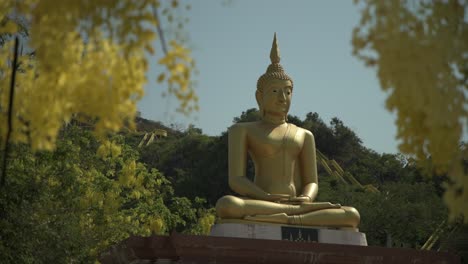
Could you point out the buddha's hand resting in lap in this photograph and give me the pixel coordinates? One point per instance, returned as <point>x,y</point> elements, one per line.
<point>300,199</point>
<point>312,205</point>
<point>277,197</point>
<point>286,198</point>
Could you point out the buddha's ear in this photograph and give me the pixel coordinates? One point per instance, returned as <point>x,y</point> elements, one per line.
<point>258,97</point>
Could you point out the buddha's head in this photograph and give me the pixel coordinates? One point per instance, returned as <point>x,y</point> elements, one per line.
<point>274,88</point>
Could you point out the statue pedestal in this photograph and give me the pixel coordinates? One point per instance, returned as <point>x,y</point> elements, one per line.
<point>288,232</point>
<point>189,249</point>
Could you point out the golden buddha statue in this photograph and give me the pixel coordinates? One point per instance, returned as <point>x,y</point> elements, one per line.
<point>285,185</point>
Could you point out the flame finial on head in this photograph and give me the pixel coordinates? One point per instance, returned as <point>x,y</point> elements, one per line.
<point>275,52</point>
<point>275,70</point>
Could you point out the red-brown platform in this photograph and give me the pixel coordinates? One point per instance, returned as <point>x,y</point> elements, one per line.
<point>206,249</point>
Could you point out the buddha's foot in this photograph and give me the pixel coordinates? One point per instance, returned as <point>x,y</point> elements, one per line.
<point>280,218</point>
<point>325,205</point>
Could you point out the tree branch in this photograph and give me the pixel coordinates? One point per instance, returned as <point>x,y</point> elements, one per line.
<point>10,113</point>
<point>160,31</point>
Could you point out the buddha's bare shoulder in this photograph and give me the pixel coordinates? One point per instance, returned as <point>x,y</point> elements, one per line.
<point>304,131</point>
<point>303,134</point>
<point>244,127</point>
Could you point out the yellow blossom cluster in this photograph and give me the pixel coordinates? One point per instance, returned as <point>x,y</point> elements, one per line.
<point>109,149</point>
<point>206,222</point>
<point>420,51</point>
<point>127,181</point>
<point>89,62</point>
<point>179,64</point>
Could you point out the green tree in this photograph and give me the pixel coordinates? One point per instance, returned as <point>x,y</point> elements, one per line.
<point>251,115</point>
<point>401,215</point>
<point>196,164</point>
<point>69,205</point>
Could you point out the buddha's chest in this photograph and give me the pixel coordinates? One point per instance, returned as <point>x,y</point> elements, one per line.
<point>270,143</point>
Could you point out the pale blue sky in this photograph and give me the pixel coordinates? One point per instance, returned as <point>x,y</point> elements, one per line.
<point>231,45</point>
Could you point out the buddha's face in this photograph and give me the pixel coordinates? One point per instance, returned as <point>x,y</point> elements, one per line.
<point>275,98</point>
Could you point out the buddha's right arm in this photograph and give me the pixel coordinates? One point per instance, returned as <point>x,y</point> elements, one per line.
<point>237,164</point>
<point>245,187</point>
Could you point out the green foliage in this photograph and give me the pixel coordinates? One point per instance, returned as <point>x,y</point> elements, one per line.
<point>400,215</point>
<point>68,205</point>
<point>196,164</point>
<point>250,115</point>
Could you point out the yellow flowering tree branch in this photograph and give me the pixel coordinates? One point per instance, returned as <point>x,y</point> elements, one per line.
<point>420,51</point>
<point>89,62</point>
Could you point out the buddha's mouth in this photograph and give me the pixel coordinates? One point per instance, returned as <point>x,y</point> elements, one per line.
<point>283,108</point>
<point>274,113</point>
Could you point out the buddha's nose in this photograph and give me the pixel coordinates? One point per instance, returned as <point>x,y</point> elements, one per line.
<point>282,96</point>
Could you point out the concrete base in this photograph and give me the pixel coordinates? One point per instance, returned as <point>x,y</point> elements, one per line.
<point>291,233</point>
<point>187,249</point>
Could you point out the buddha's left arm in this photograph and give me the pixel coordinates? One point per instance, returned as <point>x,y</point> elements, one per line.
<point>308,162</point>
